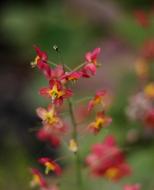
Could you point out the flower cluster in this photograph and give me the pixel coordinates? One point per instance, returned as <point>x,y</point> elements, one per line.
<point>141,105</point>
<point>106,159</point>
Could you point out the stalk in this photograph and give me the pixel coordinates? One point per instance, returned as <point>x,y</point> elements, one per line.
<point>77,155</point>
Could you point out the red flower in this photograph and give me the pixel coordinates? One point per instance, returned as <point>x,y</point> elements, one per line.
<point>56,92</point>
<point>149,118</point>
<point>91,59</point>
<point>41,62</point>
<point>107,160</point>
<point>37,180</point>
<point>48,116</point>
<point>45,135</point>
<point>72,76</point>
<point>56,73</point>
<point>101,121</point>
<point>142,18</point>
<point>50,165</point>
<point>148,49</point>
<point>97,99</point>
<point>132,187</point>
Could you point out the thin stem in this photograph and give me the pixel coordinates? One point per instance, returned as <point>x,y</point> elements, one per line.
<point>74,134</point>
<point>54,64</point>
<point>83,99</point>
<point>78,67</point>
<point>75,137</point>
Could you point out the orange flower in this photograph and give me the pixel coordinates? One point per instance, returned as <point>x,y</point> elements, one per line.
<point>56,92</point>
<point>37,180</point>
<point>97,99</point>
<point>48,116</point>
<point>100,122</point>
<point>50,165</point>
<point>141,67</point>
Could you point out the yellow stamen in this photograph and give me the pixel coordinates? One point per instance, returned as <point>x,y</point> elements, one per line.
<point>99,122</point>
<point>49,167</point>
<point>111,173</point>
<point>55,93</point>
<point>34,63</point>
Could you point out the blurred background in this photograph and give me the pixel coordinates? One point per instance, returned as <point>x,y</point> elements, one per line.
<point>76,26</point>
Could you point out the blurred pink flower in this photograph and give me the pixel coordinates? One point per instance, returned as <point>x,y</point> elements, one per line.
<point>107,160</point>
<point>132,187</point>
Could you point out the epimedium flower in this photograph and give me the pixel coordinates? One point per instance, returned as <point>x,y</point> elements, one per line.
<point>91,63</point>
<point>97,99</point>
<point>48,116</point>
<point>40,58</point>
<point>100,122</point>
<point>91,57</point>
<point>56,92</point>
<point>50,165</point>
<point>37,179</point>
<point>46,136</point>
<point>57,73</point>
<point>136,186</point>
<point>142,18</point>
<point>41,62</point>
<point>149,118</point>
<point>72,76</point>
<point>107,160</point>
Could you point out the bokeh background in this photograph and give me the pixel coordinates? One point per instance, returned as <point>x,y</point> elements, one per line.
<point>76,26</point>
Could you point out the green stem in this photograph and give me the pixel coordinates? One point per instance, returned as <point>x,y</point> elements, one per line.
<point>77,155</point>
<point>78,67</point>
<point>54,64</point>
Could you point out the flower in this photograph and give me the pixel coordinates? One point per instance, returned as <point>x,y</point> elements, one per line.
<point>132,187</point>
<point>100,122</point>
<point>72,76</point>
<point>142,18</point>
<point>149,118</point>
<point>46,135</point>
<point>38,179</point>
<point>149,90</point>
<point>90,66</point>
<point>141,67</point>
<point>73,146</point>
<point>50,165</point>
<point>148,49</point>
<point>56,92</point>
<point>41,56</point>
<point>91,57</point>
<point>57,73</point>
<point>107,160</point>
<point>138,106</point>
<point>41,62</point>
<point>48,116</point>
<point>97,99</point>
